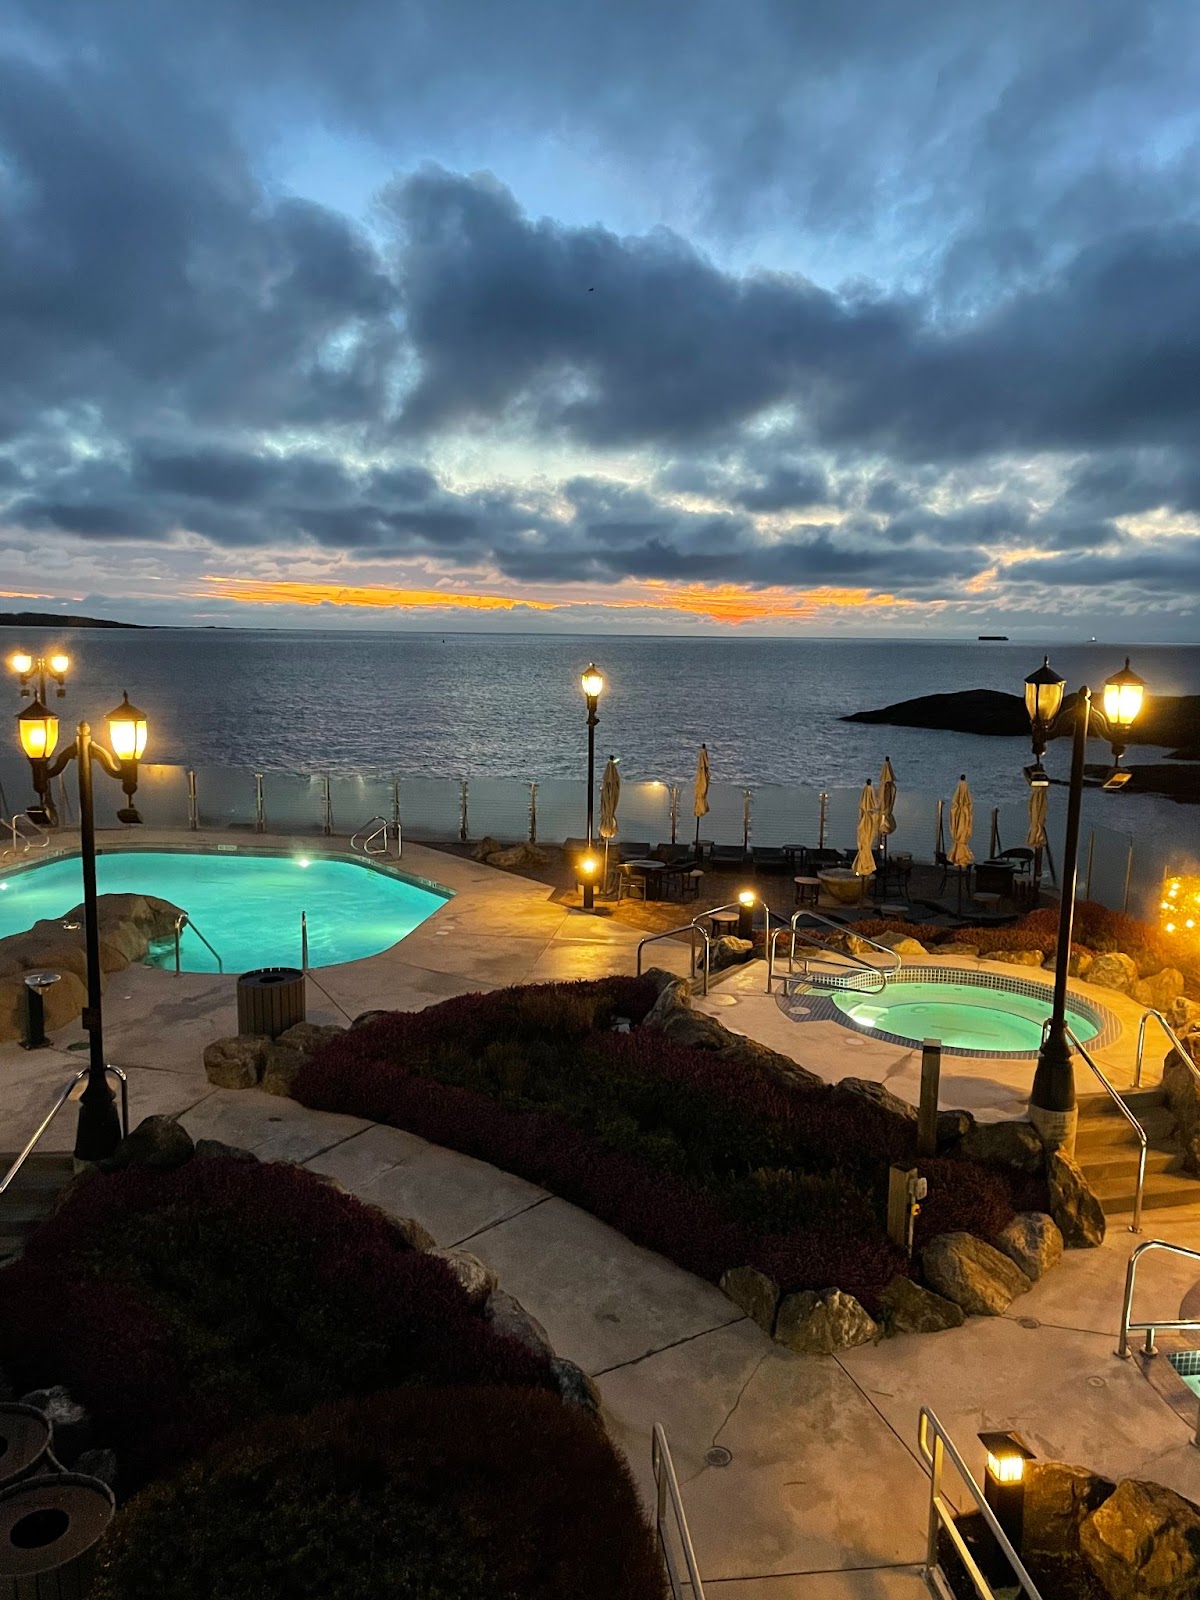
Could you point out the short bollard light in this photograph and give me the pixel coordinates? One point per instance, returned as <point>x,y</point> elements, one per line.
<point>1004,1481</point>
<point>36,984</point>
<point>589,866</point>
<point>747,901</point>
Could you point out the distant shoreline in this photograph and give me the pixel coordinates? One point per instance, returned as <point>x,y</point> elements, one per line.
<point>49,619</point>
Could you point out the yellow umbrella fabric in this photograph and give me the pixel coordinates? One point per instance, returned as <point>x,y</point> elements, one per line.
<point>610,794</point>
<point>962,825</point>
<point>868,830</point>
<point>700,794</point>
<point>1039,800</point>
<point>887,800</point>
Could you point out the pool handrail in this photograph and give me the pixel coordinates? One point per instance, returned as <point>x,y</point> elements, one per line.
<point>1148,1328</point>
<point>933,1445</point>
<point>60,1101</point>
<point>1135,1225</point>
<point>668,1498</point>
<point>1150,1015</point>
<point>370,844</point>
<point>183,921</point>
<point>857,962</point>
<point>693,927</point>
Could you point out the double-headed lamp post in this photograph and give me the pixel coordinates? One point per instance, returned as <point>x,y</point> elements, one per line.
<point>592,683</point>
<point>1052,1108</point>
<point>99,1130</point>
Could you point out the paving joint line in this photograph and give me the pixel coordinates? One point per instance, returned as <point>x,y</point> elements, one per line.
<point>688,1338</point>
<point>817,1572</point>
<point>500,1221</point>
<point>886,1422</point>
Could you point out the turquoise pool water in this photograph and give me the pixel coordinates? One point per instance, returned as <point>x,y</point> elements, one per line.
<point>248,906</point>
<point>963,1016</point>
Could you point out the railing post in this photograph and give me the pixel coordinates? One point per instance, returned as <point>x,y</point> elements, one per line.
<point>674,793</point>
<point>304,941</point>
<point>745,819</point>
<point>994,840</point>
<point>193,810</point>
<point>396,805</point>
<point>260,820</point>
<point>328,791</point>
<point>462,814</point>
<point>1128,878</point>
<point>533,813</point>
<point>821,821</point>
<point>1087,877</point>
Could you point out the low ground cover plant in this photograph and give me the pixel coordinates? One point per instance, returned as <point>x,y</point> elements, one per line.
<point>416,1494</point>
<point>178,1305</point>
<point>713,1162</point>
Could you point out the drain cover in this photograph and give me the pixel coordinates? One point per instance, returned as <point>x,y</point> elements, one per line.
<point>718,1456</point>
<point>1028,1322</point>
<point>1098,1383</point>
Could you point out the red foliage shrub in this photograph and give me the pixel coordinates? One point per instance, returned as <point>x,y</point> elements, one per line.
<point>413,1494</point>
<point>178,1304</point>
<point>966,1197</point>
<point>1015,938</point>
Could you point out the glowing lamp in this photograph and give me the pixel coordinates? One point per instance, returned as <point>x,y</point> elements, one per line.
<point>37,729</point>
<point>1123,696</point>
<point>592,682</point>
<point>747,900</point>
<point>747,897</point>
<point>60,665</point>
<point>1044,691</point>
<point>20,661</point>
<point>1004,1481</point>
<point>588,866</point>
<point>127,731</point>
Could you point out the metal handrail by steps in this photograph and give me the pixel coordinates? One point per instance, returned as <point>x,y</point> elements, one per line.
<point>16,825</point>
<point>1135,1225</point>
<point>861,969</point>
<point>1148,1328</point>
<point>59,1103</point>
<point>1150,1015</point>
<point>667,1498</point>
<point>183,921</point>
<point>693,927</point>
<point>935,1444</point>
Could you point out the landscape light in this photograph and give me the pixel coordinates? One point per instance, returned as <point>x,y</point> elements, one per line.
<point>1004,1481</point>
<point>747,900</point>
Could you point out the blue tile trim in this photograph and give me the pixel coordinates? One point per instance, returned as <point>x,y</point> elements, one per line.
<point>817,1006</point>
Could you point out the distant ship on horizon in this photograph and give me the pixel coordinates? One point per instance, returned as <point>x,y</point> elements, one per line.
<point>993,638</point>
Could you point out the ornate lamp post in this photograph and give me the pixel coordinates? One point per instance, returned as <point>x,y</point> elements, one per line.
<point>592,683</point>
<point>28,666</point>
<point>99,1129</point>
<point>1052,1108</point>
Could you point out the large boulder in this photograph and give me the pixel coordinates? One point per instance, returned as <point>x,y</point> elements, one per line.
<point>754,1292</point>
<point>507,1316</point>
<point>1012,1144</point>
<point>474,1278</point>
<point>1076,1210</point>
<point>1184,1014</point>
<point>672,1014</point>
<point>280,1068</point>
<point>1160,992</point>
<point>904,945</point>
<point>910,1308</point>
<point>1017,958</point>
<point>308,1037</point>
<point>856,1091</point>
<point>1182,1090</point>
<point>155,1142</point>
<point>1143,1543</point>
<point>70,1422</point>
<point>819,1324</point>
<point>1058,1500</point>
<point>973,1274</point>
<point>236,1063</point>
<point>518,855</point>
<point>486,847</point>
<point>729,951</point>
<point>1113,970</point>
<point>1033,1241</point>
<point>574,1386</point>
<point>952,1128</point>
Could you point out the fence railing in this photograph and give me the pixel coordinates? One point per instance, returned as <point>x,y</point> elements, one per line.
<point>549,810</point>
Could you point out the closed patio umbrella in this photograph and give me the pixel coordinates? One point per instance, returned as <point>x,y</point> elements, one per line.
<point>887,802</point>
<point>610,794</point>
<point>868,831</point>
<point>700,802</point>
<point>1035,839</point>
<point>962,825</point>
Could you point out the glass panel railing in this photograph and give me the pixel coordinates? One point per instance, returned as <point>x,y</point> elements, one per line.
<point>498,808</point>
<point>430,808</point>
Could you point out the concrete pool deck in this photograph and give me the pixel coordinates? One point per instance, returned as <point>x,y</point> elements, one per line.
<point>824,1495</point>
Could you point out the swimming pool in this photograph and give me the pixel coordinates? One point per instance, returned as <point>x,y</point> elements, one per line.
<point>248,905</point>
<point>970,1013</point>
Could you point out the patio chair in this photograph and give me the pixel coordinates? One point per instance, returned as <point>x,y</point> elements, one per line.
<point>631,885</point>
<point>768,858</point>
<point>728,855</point>
<point>673,854</point>
<point>634,849</point>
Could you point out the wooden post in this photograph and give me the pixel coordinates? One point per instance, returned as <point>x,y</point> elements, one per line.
<point>931,1074</point>
<point>899,1209</point>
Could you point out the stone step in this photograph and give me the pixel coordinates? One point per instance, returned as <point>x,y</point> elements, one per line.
<point>30,1198</point>
<point>1155,1197</point>
<point>1098,1134</point>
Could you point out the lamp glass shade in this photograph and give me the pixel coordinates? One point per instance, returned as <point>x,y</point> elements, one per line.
<point>593,682</point>
<point>588,866</point>
<point>21,661</point>
<point>747,898</point>
<point>38,731</point>
<point>1006,1468</point>
<point>60,664</point>
<point>1044,691</point>
<point>127,731</point>
<point>1123,696</point>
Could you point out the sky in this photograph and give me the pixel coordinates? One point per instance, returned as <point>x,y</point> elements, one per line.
<point>831,318</point>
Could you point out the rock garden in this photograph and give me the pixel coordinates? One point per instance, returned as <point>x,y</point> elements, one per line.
<point>710,1148</point>
<point>293,1392</point>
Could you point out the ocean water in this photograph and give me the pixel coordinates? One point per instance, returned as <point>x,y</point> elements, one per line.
<point>510,706</point>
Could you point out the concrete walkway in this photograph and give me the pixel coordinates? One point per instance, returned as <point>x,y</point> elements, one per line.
<point>823,1497</point>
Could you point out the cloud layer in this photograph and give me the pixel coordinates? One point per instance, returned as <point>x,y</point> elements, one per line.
<point>897,318</point>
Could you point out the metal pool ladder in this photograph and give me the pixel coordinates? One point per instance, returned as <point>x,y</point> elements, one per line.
<point>857,973</point>
<point>374,837</point>
<point>183,921</point>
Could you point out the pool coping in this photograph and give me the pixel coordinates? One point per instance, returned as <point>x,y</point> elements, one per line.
<point>822,1008</point>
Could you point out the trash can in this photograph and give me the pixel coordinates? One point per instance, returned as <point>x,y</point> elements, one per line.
<point>49,1529</point>
<point>270,1000</point>
<point>25,1432</point>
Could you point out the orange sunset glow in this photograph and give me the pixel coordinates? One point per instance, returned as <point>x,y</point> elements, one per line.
<point>729,603</point>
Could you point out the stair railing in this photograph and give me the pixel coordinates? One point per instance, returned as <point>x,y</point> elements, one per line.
<point>668,1510</point>
<point>935,1444</point>
<point>1148,1016</point>
<point>60,1101</point>
<point>694,927</point>
<point>860,968</point>
<point>1148,1328</point>
<point>1135,1225</point>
